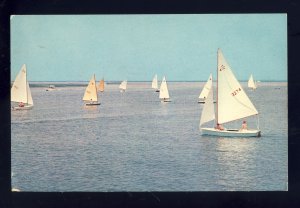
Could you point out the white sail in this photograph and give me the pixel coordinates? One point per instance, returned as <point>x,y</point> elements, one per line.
<point>251,83</point>
<point>208,112</point>
<point>206,88</point>
<point>30,101</point>
<point>232,101</point>
<point>163,91</point>
<point>123,85</point>
<point>19,88</point>
<point>154,82</point>
<point>91,91</point>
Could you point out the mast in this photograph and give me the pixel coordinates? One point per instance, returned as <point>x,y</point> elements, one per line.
<point>217,117</point>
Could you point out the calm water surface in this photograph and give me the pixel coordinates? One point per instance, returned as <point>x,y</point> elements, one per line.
<point>132,142</point>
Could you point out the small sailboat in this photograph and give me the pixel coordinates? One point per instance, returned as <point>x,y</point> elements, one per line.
<point>20,91</point>
<point>123,86</point>
<point>251,83</point>
<point>232,104</point>
<point>101,86</point>
<point>90,94</point>
<point>51,88</point>
<point>204,93</point>
<point>155,83</point>
<point>164,92</point>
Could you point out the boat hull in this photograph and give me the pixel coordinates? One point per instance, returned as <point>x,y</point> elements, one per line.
<point>90,104</point>
<point>26,107</point>
<point>202,101</point>
<point>230,132</point>
<point>165,101</point>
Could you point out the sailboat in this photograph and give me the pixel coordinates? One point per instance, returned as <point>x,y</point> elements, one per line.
<point>91,93</point>
<point>20,91</point>
<point>251,83</point>
<point>204,93</point>
<point>164,92</point>
<point>101,85</point>
<point>232,104</point>
<point>155,83</point>
<point>123,86</point>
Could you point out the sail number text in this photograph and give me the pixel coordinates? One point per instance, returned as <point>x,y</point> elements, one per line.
<point>235,92</point>
<point>222,68</point>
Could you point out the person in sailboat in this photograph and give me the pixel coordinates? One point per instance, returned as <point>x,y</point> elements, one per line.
<point>244,125</point>
<point>21,104</point>
<point>219,127</point>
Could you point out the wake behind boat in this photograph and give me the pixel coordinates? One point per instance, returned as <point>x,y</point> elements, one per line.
<point>90,94</point>
<point>232,104</point>
<point>20,91</point>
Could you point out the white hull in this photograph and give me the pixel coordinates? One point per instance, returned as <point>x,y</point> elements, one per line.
<point>230,132</point>
<point>26,107</point>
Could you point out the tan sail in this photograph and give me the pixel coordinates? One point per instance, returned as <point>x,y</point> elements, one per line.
<point>101,85</point>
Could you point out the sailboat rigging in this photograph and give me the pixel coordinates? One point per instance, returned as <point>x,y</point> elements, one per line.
<point>20,91</point>
<point>164,92</point>
<point>90,94</point>
<point>232,104</point>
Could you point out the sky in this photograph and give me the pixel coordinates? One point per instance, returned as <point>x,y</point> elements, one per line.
<point>182,47</point>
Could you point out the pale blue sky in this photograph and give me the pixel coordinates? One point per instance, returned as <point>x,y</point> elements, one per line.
<point>135,47</point>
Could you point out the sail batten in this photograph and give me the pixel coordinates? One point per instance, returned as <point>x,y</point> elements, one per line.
<point>233,102</point>
<point>163,91</point>
<point>91,91</point>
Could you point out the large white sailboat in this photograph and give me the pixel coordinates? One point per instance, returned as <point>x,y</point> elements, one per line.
<point>232,104</point>
<point>251,83</point>
<point>90,95</point>
<point>164,92</point>
<point>204,93</point>
<point>155,83</point>
<point>123,86</point>
<point>20,91</point>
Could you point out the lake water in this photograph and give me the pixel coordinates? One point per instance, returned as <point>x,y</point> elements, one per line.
<point>133,142</point>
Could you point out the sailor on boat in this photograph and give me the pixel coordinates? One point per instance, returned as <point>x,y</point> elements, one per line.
<point>21,104</point>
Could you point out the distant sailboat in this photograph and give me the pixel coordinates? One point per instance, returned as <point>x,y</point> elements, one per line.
<point>51,88</point>
<point>123,86</point>
<point>251,83</point>
<point>232,104</point>
<point>20,91</point>
<point>155,83</point>
<point>164,92</point>
<point>91,93</point>
<point>204,93</point>
<point>101,85</point>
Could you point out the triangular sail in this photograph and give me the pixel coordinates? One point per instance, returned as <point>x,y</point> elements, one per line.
<point>163,91</point>
<point>232,101</point>
<point>123,85</point>
<point>101,85</point>
<point>251,83</point>
<point>30,101</point>
<point>91,91</point>
<point>206,88</point>
<point>19,88</point>
<point>208,112</point>
<point>154,82</point>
